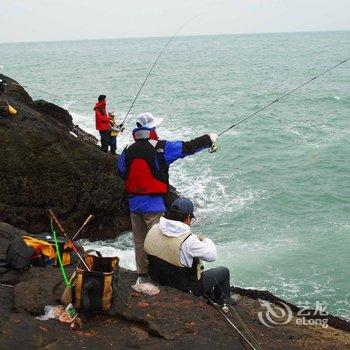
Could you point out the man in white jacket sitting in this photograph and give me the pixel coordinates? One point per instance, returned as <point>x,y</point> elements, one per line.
<point>175,255</point>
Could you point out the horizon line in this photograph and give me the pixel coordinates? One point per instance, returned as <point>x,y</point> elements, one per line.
<point>167,36</point>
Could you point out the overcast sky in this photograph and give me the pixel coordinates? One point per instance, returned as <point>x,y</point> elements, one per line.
<point>39,20</point>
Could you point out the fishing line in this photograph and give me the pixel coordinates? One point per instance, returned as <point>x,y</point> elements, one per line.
<point>34,89</point>
<point>47,93</point>
<point>283,96</point>
<point>154,64</point>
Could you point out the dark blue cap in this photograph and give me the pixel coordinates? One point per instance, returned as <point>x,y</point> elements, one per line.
<point>183,206</point>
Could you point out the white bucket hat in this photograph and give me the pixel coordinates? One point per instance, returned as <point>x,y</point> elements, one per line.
<point>148,120</point>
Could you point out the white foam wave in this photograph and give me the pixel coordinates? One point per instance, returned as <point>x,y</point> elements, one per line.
<point>68,104</point>
<point>122,246</point>
<point>85,122</point>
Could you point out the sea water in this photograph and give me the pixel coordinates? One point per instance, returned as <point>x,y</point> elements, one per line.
<point>276,197</point>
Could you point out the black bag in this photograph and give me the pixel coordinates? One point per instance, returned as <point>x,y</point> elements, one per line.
<point>93,290</point>
<point>19,255</point>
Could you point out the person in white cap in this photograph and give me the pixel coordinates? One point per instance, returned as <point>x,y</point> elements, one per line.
<point>144,166</point>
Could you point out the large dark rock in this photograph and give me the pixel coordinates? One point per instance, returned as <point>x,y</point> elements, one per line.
<point>42,165</point>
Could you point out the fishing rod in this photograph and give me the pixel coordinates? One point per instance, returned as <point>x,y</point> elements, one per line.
<point>54,218</point>
<point>82,226</point>
<point>154,64</point>
<point>253,343</point>
<point>231,323</point>
<point>283,96</point>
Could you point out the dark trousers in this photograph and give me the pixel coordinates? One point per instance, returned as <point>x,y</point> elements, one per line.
<point>113,144</point>
<point>105,136</point>
<point>217,282</point>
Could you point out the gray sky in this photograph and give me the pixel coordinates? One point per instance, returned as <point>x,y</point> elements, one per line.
<point>38,20</point>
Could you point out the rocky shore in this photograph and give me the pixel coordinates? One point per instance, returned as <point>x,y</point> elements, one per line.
<point>48,162</point>
<point>169,320</point>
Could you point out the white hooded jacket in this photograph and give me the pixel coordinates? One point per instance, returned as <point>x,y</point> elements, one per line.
<point>192,247</point>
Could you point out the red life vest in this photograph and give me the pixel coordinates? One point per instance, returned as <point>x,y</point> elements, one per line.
<point>101,117</point>
<point>147,171</point>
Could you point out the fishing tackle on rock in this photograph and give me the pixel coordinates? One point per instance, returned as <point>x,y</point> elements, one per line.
<point>54,218</point>
<point>63,271</point>
<point>283,96</point>
<point>153,65</point>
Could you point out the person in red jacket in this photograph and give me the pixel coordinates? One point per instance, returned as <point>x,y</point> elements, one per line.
<point>102,122</point>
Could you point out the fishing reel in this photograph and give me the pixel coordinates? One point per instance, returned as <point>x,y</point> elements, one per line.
<point>225,309</point>
<point>214,148</point>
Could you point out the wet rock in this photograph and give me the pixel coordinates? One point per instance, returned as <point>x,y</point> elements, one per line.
<point>38,287</point>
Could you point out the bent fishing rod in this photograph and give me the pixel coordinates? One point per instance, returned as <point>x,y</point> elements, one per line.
<point>154,64</point>
<point>283,96</point>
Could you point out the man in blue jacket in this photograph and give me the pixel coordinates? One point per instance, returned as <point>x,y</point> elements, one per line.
<point>144,166</point>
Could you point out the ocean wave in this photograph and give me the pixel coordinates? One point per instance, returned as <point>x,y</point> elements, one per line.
<point>122,245</point>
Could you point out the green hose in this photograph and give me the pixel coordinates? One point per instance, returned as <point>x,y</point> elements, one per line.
<point>54,234</point>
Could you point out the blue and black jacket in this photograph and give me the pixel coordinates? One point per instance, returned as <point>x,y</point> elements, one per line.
<point>171,151</point>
